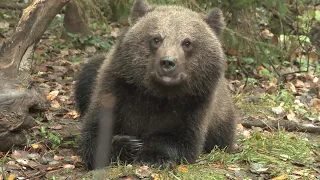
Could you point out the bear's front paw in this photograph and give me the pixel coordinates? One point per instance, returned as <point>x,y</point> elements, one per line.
<point>154,159</point>
<point>126,148</point>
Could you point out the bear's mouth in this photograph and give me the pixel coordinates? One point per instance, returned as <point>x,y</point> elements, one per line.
<point>169,80</point>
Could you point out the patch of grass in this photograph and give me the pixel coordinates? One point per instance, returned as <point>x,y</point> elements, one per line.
<point>276,151</point>
<point>258,107</point>
<point>193,172</point>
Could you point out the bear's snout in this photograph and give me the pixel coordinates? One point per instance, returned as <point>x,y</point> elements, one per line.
<point>167,66</point>
<point>168,71</point>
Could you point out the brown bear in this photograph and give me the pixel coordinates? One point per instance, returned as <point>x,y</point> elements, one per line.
<point>162,86</point>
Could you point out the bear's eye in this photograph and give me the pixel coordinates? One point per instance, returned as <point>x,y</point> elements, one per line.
<point>156,42</point>
<point>187,45</point>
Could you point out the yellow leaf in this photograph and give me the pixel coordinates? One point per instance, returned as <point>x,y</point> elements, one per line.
<point>182,169</point>
<point>75,157</point>
<point>282,177</point>
<point>240,127</point>
<point>35,146</point>
<point>74,114</point>
<point>156,176</point>
<point>12,177</point>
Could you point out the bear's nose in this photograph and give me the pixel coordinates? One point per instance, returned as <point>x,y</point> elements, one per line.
<point>168,63</point>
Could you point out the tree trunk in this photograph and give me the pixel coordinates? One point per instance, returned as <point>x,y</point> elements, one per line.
<point>17,97</point>
<point>75,19</point>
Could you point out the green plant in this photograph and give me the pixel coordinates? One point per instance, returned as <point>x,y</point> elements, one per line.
<point>101,43</point>
<point>53,137</point>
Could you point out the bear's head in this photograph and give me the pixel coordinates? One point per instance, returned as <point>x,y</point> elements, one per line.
<point>171,50</point>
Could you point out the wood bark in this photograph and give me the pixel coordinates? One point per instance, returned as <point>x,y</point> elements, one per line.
<point>33,23</point>
<point>75,19</point>
<point>18,98</point>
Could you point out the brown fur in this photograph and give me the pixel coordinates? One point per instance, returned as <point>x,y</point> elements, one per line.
<point>174,121</point>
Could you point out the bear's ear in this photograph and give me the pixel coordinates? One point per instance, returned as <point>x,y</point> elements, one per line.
<point>139,9</point>
<point>215,20</point>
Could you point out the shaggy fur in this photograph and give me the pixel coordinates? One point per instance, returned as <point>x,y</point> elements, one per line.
<point>160,119</point>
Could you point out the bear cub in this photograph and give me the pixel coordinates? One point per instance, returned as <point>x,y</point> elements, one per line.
<point>163,86</point>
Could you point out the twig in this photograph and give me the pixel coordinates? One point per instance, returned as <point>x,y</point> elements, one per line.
<point>294,72</point>
<point>287,125</point>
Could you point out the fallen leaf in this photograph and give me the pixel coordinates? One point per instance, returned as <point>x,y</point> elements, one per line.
<point>12,177</point>
<point>143,171</point>
<point>281,177</point>
<point>57,158</point>
<point>35,145</point>
<point>63,98</point>
<point>285,157</point>
<point>56,127</point>
<point>74,114</point>
<point>292,87</point>
<point>246,133</point>
<point>277,110</point>
<point>156,176</point>
<point>68,166</point>
<point>75,157</point>
<point>299,84</point>
<point>300,173</point>
<point>18,154</point>
<point>313,55</point>
<point>258,168</point>
<point>232,52</point>
<point>271,87</point>
<point>52,95</point>
<point>115,33</point>
<point>55,104</point>
<point>90,49</point>
<point>23,161</point>
<point>64,52</point>
<point>4,25</point>
<point>182,168</point>
<point>62,40</point>
<point>291,116</point>
<point>267,34</point>
<point>233,168</point>
<point>316,104</point>
<point>240,127</point>
<point>34,156</point>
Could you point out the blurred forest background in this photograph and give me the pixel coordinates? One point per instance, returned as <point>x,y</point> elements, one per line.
<point>273,56</point>
<point>270,39</point>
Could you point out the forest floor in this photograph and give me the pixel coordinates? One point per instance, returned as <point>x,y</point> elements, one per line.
<point>265,151</point>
